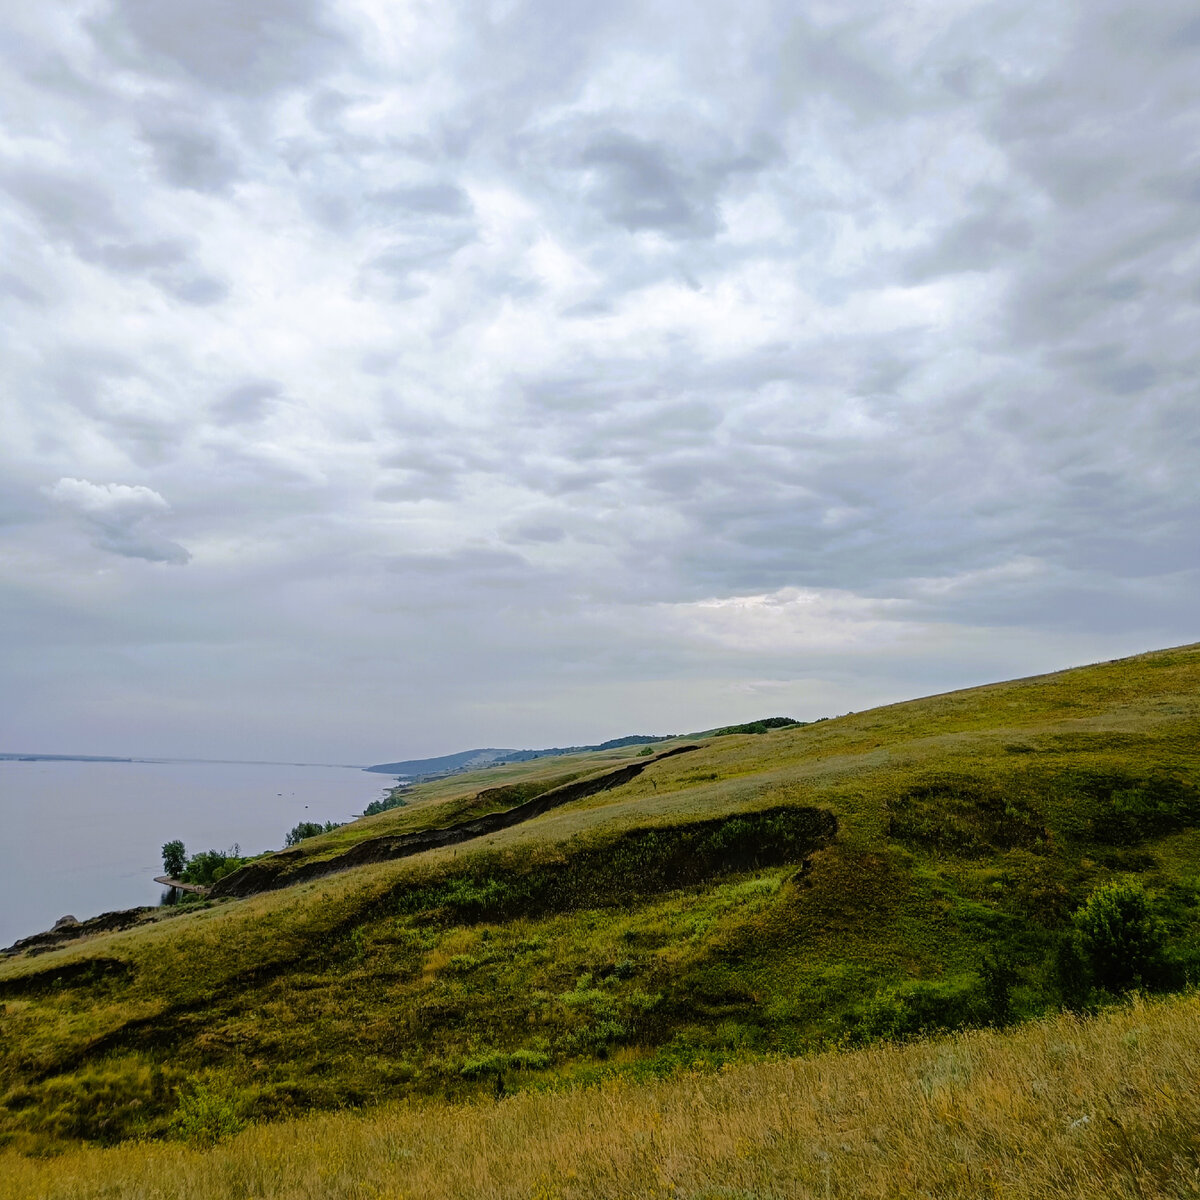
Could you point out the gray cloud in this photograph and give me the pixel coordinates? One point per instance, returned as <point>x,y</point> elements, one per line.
<point>640,189</point>
<point>440,199</point>
<point>249,401</point>
<point>562,368</point>
<point>242,46</point>
<point>189,156</point>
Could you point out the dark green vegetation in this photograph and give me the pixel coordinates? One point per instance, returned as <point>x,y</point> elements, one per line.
<point>174,858</point>
<point>763,726</point>
<point>207,866</point>
<point>307,829</point>
<point>973,858</point>
<point>396,798</point>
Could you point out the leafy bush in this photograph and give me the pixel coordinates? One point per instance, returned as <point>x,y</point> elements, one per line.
<point>307,829</point>
<point>1123,944</point>
<point>1130,809</point>
<point>206,1116</point>
<point>914,1008</point>
<point>394,799</point>
<point>997,977</point>
<point>208,866</point>
<point>497,1062</point>
<point>620,870</point>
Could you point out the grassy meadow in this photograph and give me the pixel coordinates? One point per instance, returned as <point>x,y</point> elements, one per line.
<point>1060,1109</point>
<point>861,881</point>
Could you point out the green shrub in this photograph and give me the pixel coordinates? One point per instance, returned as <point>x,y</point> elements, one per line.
<point>394,799</point>
<point>1122,942</point>
<point>622,869</point>
<point>1129,810</point>
<point>997,977</point>
<point>962,815</point>
<point>206,1116</point>
<point>762,726</point>
<point>307,829</point>
<point>918,1007</point>
<point>208,866</point>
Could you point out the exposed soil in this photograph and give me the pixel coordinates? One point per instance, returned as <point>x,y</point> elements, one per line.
<point>39,943</point>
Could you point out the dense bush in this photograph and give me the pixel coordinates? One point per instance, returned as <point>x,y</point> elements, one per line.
<point>205,868</point>
<point>206,1115</point>
<point>394,799</point>
<point>1122,943</point>
<point>1130,809</point>
<point>307,829</point>
<point>914,1008</point>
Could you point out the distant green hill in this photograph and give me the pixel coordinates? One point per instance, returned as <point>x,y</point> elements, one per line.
<point>465,760</point>
<point>911,868</point>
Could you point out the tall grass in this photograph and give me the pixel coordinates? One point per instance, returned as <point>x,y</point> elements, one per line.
<point>1085,1109</point>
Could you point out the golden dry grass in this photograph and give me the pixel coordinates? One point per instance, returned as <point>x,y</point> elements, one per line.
<point>1061,1108</point>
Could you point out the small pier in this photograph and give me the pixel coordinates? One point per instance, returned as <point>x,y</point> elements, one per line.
<point>178,884</point>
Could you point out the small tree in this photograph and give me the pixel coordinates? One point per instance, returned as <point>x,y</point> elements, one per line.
<point>1122,941</point>
<point>174,859</point>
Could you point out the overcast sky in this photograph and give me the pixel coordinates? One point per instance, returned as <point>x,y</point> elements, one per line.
<point>384,378</point>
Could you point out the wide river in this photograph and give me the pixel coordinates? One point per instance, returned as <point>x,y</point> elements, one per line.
<point>84,838</point>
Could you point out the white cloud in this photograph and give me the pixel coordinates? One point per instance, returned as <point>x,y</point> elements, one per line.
<point>119,516</point>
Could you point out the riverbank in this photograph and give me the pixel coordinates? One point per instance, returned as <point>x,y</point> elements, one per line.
<point>86,837</point>
<point>180,886</point>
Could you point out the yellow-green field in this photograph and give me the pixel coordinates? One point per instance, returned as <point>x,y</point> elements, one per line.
<point>1063,1108</point>
<point>870,878</point>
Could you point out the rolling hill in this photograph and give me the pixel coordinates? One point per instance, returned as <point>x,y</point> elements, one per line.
<point>724,900</point>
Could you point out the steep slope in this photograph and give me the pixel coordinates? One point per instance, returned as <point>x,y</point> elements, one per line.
<point>912,867</point>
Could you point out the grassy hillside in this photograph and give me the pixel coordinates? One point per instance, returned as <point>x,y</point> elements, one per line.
<point>1061,1109</point>
<point>906,869</point>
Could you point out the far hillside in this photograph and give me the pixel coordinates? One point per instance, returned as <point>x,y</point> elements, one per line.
<point>939,864</point>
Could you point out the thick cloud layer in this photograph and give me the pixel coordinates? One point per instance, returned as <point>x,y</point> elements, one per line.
<point>379,379</point>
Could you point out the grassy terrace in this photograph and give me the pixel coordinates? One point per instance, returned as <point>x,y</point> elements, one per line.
<point>907,869</point>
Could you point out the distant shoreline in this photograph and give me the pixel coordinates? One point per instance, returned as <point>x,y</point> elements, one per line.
<point>234,762</point>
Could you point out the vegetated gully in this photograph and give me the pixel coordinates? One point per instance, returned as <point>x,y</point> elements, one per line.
<point>271,873</point>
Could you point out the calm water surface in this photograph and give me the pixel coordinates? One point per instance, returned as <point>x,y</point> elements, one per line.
<point>85,838</point>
